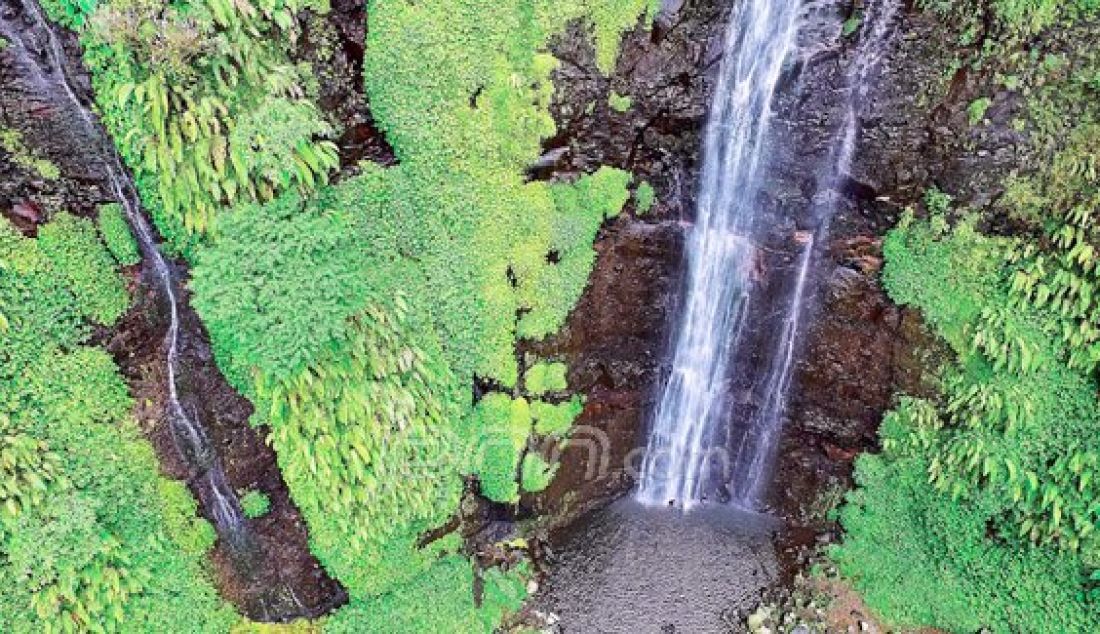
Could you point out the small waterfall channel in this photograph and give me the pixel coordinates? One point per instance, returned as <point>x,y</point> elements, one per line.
<point>25,27</point>
<point>689,455</point>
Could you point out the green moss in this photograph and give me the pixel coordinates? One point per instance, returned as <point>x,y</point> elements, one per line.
<point>555,419</point>
<point>977,109</point>
<point>115,232</point>
<point>852,24</point>
<point>255,504</point>
<point>644,197</point>
<point>619,103</point>
<point>545,377</point>
<point>536,473</point>
<point>11,142</point>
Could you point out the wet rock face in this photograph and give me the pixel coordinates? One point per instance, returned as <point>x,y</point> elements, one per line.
<point>667,74</point>
<point>614,343</point>
<point>616,339</point>
<point>333,45</point>
<point>857,348</point>
<point>34,132</point>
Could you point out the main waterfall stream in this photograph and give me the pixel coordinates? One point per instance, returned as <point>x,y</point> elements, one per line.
<point>721,254</point>
<point>690,456</point>
<point>749,284</point>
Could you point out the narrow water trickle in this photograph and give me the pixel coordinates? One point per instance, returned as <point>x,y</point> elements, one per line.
<point>687,456</point>
<point>25,27</point>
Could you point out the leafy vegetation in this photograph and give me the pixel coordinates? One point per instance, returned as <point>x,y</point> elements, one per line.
<point>977,109</point>
<point>203,102</point>
<point>358,317</point>
<point>991,458</point>
<point>555,419</point>
<point>73,248</point>
<point>919,557</point>
<point>980,512</point>
<point>1012,18</point>
<point>91,537</point>
<point>255,504</point>
<point>375,306</point>
<point>115,232</point>
<point>1011,448</point>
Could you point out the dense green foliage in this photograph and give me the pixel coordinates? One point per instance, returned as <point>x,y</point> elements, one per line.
<point>440,600</point>
<point>115,232</point>
<point>203,102</point>
<point>358,317</point>
<point>981,511</point>
<point>76,254</point>
<point>990,458</point>
<point>536,473</point>
<point>91,537</point>
<point>361,325</point>
<point>920,557</point>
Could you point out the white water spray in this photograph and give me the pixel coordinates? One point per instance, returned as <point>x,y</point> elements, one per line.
<point>688,429</point>
<point>721,253</point>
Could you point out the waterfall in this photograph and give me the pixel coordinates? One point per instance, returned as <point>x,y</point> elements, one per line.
<point>721,255</point>
<point>685,452</point>
<point>187,433</point>
<point>757,451</point>
<point>278,600</point>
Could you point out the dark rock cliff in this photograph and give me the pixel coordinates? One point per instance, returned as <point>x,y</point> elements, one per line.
<point>858,349</point>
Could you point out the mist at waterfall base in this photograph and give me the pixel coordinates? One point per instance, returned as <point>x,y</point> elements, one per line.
<point>736,335</point>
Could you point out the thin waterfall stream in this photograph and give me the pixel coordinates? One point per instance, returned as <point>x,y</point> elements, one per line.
<point>276,599</point>
<point>687,457</point>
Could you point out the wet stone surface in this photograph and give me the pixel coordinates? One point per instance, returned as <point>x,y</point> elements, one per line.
<point>635,569</point>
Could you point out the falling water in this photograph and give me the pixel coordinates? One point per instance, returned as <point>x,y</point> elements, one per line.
<point>686,443</point>
<point>722,257</point>
<point>188,434</point>
<point>758,447</point>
